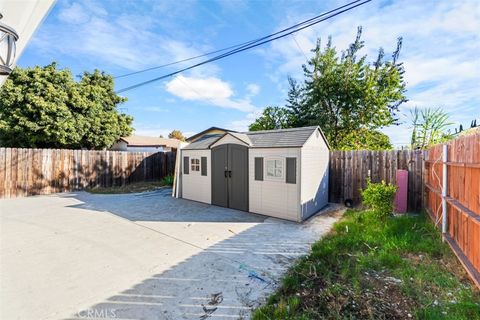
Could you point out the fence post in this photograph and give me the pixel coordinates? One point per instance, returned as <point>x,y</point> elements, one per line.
<point>444,191</point>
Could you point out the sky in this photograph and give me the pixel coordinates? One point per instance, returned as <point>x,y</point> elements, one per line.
<point>441,45</point>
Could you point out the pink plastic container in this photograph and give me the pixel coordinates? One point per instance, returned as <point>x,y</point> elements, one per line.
<point>402,191</point>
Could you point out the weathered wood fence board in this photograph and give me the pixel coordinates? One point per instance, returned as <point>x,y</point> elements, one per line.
<point>349,171</point>
<point>25,172</point>
<point>463,197</point>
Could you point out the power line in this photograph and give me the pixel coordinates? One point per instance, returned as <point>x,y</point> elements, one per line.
<point>247,47</point>
<point>194,90</point>
<point>300,48</point>
<point>236,45</point>
<point>179,61</point>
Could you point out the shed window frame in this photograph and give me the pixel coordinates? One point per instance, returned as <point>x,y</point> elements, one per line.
<point>279,170</point>
<point>195,165</point>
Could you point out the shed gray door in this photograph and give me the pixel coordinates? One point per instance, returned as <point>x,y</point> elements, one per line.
<point>219,175</point>
<point>230,176</point>
<point>238,177</point>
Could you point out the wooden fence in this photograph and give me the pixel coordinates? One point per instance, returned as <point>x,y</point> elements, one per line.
<point>349,171</point>
<point>462,200</point>
<point>25,172</point>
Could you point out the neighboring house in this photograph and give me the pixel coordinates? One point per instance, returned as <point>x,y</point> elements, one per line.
<point>280,173</point>
<point>145,144</point>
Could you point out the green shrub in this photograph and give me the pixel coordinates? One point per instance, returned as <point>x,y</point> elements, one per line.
<point>379,197</point>
<point>168,180</point>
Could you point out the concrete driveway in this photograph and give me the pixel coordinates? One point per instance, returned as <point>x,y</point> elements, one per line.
<point>141,256</point>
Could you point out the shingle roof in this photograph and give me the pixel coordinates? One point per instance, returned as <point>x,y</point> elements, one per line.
<point>143,141</point>
<point>281,138</point>
<point>295,137</point>
<point>206,130</point>
<point>204,142</point>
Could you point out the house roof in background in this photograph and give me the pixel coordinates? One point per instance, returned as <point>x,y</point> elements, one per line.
<point>205,131</point>
<point>281,138</point>
<point>144,141</point>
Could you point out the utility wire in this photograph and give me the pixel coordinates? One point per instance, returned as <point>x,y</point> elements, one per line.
<point>300,48</point>
<point>236,45</point>
<point>247,47</point>
<point>185,83</point>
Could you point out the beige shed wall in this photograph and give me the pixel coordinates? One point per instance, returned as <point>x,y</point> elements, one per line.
<point>314,175</point>
<point>194,185</point>
<point>274,198</point>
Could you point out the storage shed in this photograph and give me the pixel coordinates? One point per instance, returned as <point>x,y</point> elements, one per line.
<point>280,173</point>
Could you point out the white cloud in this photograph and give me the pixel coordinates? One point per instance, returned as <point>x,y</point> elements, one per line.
<point>130,40</point>
<point>253,89</point>
<point>73,14</point>
<point>242,124</point>
<point>199,88</point>
<point>208,90</point>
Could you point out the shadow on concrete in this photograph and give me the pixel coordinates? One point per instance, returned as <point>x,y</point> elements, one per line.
<point>160,206</point>
<point>225,280</point>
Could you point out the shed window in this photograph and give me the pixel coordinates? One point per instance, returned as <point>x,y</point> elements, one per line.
<point>274,168</point>
<point>195,164</point>
<point>291,176</point>
<point>185,165</point>
<point>258,168</point>
<point>204,166</point>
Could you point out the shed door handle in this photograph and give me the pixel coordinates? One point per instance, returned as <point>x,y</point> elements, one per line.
<point>226,173</point>
<point>230,174</point>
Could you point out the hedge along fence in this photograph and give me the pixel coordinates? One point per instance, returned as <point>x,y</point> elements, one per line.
<point>349,171</point>
<point>457,210</point>
<point>25,172</point>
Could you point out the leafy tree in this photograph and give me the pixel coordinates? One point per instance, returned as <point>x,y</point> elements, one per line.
<point>271,118</point>
<point>345,93</point>
<point>429,127</point>
<point>365,139</point>
<point>176,134</point>
<point>103,123</point>
<point>296,104</point>
<point>44,107</point>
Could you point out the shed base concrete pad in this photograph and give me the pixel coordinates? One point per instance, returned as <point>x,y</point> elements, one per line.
<point>141,256</point>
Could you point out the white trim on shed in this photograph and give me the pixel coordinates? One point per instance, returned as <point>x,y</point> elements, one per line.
<point>228,138</point>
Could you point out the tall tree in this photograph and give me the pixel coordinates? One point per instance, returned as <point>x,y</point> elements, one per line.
<point>271,118</point>
<point>346,93</point>
<point>296,105</point>
<point>103,124</point>
<point>176,134</point>
<point>44,107</point>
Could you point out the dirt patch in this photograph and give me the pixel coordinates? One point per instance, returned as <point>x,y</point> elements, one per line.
<point>377,297</point>
<point>129,188</point>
